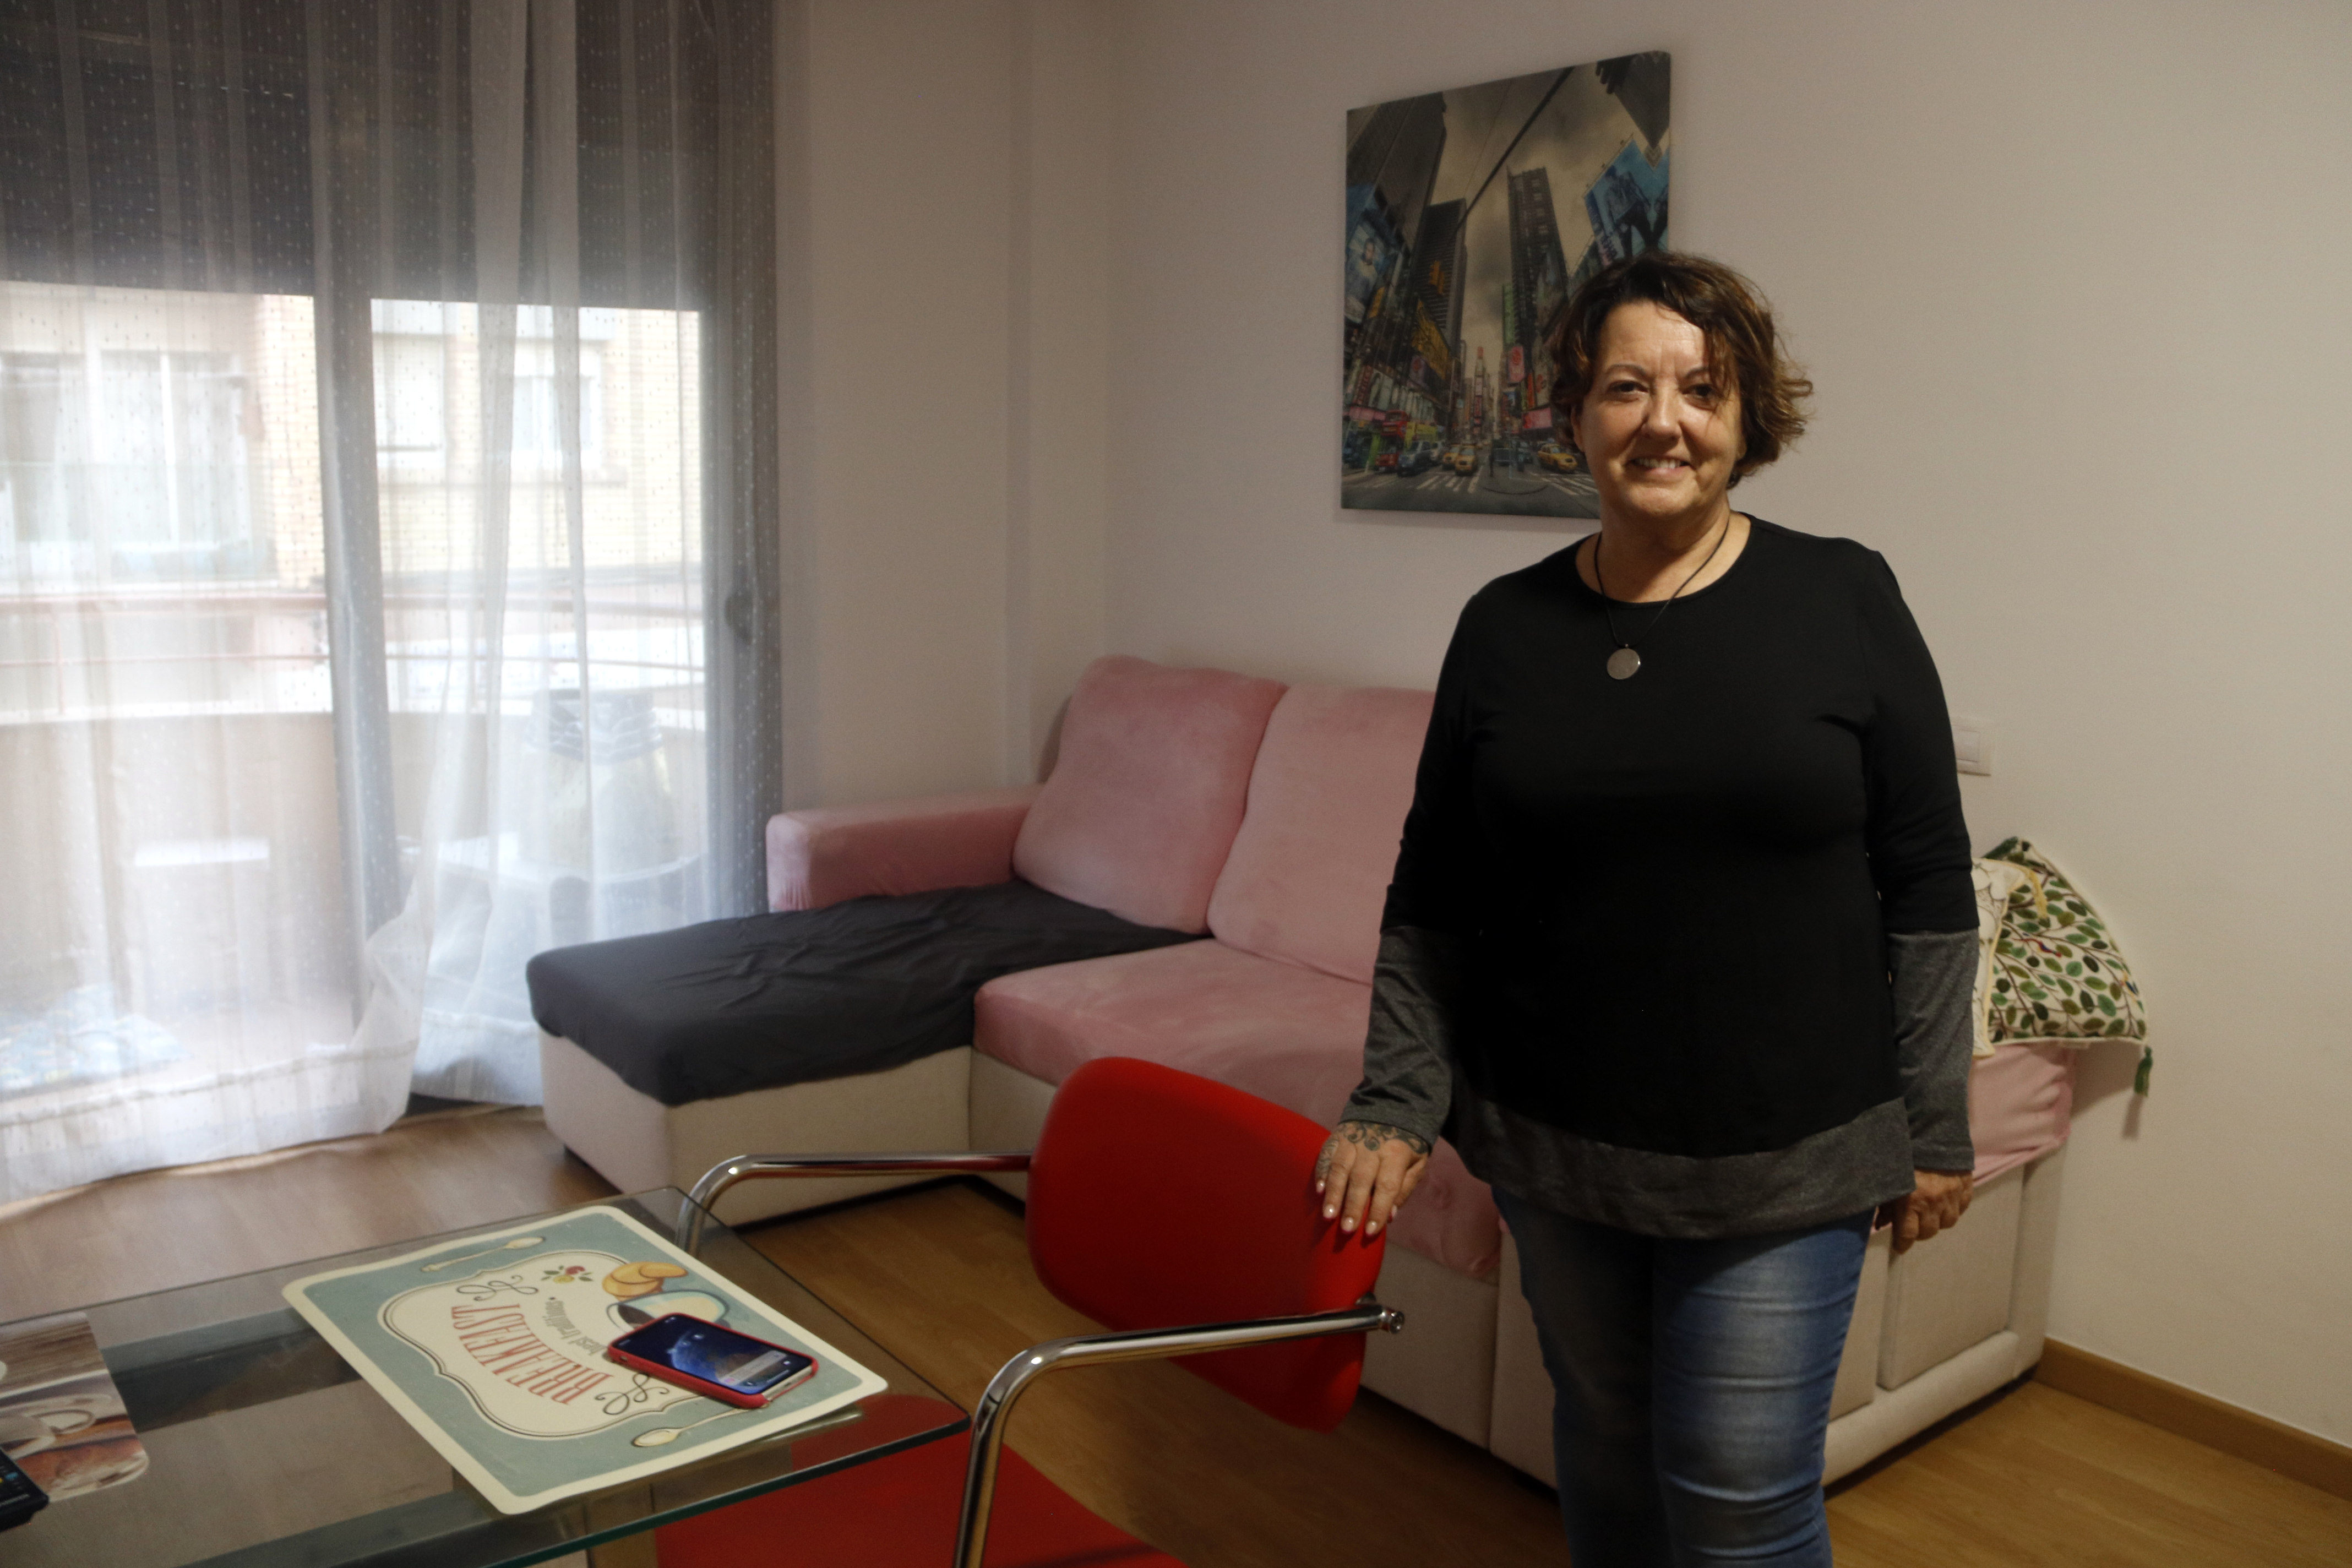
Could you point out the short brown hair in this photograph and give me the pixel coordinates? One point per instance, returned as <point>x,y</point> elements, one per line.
<point>1740,343</point>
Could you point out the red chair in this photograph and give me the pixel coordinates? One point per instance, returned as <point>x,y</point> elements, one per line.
<point>1235,1272</point>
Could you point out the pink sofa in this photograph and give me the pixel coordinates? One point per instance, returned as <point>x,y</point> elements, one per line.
<point>1266,818</point>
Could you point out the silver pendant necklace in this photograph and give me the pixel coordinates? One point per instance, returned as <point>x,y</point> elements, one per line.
<point>1625,661</point>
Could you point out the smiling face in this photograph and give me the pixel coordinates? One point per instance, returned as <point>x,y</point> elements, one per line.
<point>1660,427</point>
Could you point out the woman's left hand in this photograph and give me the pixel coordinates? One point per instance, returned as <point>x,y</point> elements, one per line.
<point>1937,1202</point>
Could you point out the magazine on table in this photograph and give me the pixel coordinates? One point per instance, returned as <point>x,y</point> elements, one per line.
<point>61,1417</point>
<point>493,1349</point>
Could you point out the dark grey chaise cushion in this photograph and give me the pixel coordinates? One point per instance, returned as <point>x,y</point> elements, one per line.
<point>731,1005</point>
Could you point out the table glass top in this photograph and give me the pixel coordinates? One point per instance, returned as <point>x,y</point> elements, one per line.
<point>266,1451</point>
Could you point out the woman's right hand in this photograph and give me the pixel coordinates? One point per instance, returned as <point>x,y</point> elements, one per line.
<point>1367,1170</point>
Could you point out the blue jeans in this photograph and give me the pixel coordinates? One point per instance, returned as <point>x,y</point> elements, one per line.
<point>1691,1385</point>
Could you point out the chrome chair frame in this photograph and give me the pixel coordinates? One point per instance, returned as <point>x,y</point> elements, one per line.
<point>995,1407</point>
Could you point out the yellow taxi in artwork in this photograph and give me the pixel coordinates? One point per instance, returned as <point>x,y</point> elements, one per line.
<point>1551,455</point>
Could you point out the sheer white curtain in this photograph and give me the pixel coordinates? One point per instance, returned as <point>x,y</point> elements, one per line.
<point>174,984</point>
<point>386,422</point>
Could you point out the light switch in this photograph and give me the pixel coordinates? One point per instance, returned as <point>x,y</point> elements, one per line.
<point>1972,745</point>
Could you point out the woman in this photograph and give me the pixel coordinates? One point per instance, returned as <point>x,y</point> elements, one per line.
<point>1681,940</point>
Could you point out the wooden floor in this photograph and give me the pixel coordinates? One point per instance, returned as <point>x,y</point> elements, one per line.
<point>2035,1478</point>
<point>162,1229</point>
<point>2032,1476</point>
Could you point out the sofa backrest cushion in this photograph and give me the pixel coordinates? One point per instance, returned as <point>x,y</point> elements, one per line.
<point>1311,864</point>
<point>1148,790</point>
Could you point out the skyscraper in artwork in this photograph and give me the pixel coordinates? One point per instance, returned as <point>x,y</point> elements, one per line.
<point>1392,159</point>
<point>1439,256</point>
<point>1538,277</point>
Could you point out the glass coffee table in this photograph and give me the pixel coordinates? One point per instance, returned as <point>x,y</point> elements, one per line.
<point>265,1449</point>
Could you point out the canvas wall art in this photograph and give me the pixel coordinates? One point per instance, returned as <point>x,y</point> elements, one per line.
<point>1472,215</point>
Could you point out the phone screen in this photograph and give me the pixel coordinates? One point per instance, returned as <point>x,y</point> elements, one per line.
<point>19,1498</point>
<point>714,1354</point>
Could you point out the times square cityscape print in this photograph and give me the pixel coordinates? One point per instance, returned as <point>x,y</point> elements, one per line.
<point>1472,216</point>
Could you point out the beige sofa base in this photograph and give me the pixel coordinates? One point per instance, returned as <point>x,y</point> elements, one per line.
<point>1439,1368</point>
<point>1861,1436</point>
<point>637,1142</point>
<point>1947,1323</point>
<point>1008,1111</point>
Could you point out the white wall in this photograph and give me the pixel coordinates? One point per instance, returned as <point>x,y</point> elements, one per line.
<point>943,184</point>
<point>2070,278</point>
<point>1056,623</point>
<point>910,121</point>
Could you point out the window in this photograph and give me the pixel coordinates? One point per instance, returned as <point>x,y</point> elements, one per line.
<point>412,416</point>
<point>538,410</point>
<point>129,462</point>
<point>40,424</point>
<point>168,498</point>
<point>150,565</point>
<point>428,365</point>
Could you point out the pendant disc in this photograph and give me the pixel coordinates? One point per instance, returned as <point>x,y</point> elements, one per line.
<point>1623,663</point>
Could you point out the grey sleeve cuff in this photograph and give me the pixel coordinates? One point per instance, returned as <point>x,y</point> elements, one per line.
<point>1408,1056</point>
<point>1934,975</point>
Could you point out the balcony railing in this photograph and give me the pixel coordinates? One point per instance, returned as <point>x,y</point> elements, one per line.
<point>124,652</point>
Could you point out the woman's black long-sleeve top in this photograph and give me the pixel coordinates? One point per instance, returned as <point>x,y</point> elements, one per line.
<point>1644,929</point>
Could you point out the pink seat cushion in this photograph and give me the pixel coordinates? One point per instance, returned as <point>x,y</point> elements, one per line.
<point>1281,1032</point>
<point>2021,1105</point>
<point>1311,866</point>
<point>1148,790</point>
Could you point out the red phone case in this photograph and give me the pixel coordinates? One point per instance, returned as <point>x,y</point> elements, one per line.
<point>704,1386</point>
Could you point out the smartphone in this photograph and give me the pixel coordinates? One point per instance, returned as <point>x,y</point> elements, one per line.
<point>20,1500</point>
<point>711,1360</point>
